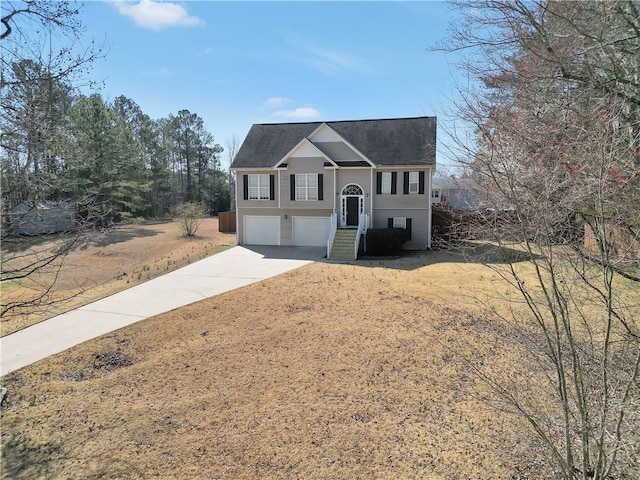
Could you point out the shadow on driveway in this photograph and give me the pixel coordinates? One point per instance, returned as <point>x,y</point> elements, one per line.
<point>290,253</point>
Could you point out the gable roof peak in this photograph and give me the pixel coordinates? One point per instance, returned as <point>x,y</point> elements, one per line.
<point>301,144</point>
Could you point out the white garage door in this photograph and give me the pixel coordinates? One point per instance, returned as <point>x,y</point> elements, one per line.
<point>261,230</point>
<point>311,231</point>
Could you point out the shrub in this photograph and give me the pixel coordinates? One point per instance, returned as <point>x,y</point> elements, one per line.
<point>190,215</point>
<point>383,241</point>
<point>447,225</point>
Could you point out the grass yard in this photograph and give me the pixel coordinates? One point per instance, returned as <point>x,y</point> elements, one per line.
<point>331,371</point>
<point>104,263</point>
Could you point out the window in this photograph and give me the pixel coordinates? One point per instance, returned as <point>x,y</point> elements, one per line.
<point>435,194</point>
<point>413,182</point>
<point>259,186</point>
<point>399,222</point>
<point>306,186</point>
<point>386,182</point>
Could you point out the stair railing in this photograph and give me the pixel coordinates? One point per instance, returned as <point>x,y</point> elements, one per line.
<point>332,233</point>
<point>363,226</point>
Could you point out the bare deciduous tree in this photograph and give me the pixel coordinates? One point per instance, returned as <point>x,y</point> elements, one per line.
<point>557,152</point>
<point>41,58</point>
<point>232,147</point>
<point>190,215</point>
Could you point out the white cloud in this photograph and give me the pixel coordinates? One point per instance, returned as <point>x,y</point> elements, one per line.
<point>276,102</point>
<point>302,112</point>
<point>156,15</point>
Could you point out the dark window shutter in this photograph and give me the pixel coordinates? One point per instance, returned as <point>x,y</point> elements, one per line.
<point>406,183</point>
<point>292,182</point>
<point>408,228</point>
<point>379,183</point>
<point>245,186</point>
<point>421,182</point>
<point>272,187</point>
<point>390,222</point>
<point>394,181</point>
<point>320,186</point>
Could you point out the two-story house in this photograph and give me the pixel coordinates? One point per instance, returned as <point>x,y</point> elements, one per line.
<point>302,184</point>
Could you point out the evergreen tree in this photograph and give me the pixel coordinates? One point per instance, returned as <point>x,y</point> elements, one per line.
<point>103,171</point>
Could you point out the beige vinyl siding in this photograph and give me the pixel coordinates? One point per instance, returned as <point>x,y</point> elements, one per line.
<point>242,203</point>
<point>419,224</point>
<point>306,165</point>
<point>401,200</point>
<point>359,176</point>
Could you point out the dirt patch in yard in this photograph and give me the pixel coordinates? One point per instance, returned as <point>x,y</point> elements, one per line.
<point>104,263</point>
<point>331,371</point>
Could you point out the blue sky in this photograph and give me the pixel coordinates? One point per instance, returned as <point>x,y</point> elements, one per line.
<point>239,63</point>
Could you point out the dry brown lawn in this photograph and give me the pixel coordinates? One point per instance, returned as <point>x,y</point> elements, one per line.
<point>331,371</point>
<point>105,263</point>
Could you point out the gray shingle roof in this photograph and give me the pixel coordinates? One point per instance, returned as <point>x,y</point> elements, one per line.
<point>387,142</point>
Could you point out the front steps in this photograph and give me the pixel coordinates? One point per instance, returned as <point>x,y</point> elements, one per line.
<point>344,245</point>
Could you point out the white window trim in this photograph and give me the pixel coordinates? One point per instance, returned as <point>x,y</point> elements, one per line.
<point>260,188</point>
<point>414,182</point>
<point>400,222</point>
<point>386,182</point>
<point>435,193</point>
<point>306,191</point>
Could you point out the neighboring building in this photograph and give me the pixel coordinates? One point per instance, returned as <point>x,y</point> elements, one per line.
<point>457,193</point>
<point>310,184</point>
<point>31,218</point>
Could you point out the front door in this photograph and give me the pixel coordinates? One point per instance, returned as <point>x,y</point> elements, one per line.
<point>353,207</point>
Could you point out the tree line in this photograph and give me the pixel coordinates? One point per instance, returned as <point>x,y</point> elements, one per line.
<point>107,160</point>
<point>110,159</point>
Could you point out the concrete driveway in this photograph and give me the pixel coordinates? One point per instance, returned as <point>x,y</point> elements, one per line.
<point>211,276</point>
